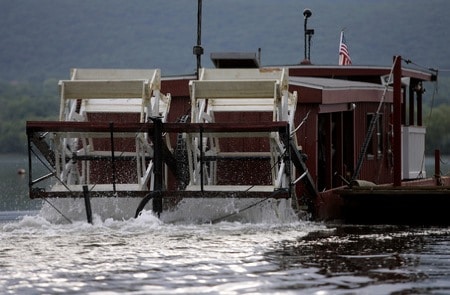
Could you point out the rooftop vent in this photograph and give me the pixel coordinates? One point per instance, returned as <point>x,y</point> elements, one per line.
<point>241,60</point>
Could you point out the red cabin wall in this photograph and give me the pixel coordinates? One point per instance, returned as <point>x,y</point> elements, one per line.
<point>307,135</point>
<point>345,132</point>
<point>375,168</point>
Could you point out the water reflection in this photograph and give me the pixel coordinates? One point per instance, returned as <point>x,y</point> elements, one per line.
<point>355,257</point>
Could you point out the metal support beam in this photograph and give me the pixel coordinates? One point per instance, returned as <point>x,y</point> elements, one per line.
<point>411,105</point>
<point>419,104</point>
<point>397,120</point>
<point>87,204</point>
<point>158,162</point>
<point>113,162</point>
<point>201,159</point>
<point>30,167</point>
<point>437,167</point>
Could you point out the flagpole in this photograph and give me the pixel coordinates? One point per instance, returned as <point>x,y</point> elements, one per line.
<point>340,60</point>
<point>344,55</point>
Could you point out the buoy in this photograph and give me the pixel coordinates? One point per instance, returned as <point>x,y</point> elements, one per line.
<point>21,171</point>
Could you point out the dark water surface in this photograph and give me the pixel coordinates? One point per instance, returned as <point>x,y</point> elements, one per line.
<point>375,259</point>
<point>260,253</point>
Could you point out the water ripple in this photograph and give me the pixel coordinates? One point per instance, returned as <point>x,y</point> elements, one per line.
<point>147,256</point>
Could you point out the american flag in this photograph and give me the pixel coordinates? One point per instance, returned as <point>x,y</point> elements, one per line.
<point>344,55</point>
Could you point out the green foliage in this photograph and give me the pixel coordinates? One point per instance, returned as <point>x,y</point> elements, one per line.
<point>436,115</point>
<point>440,94</point>
<point>22,102</point>
<point>438,135</point>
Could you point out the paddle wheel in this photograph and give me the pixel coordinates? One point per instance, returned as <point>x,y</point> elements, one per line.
<point>84,151</point>
<point>113,140</point>
<point>219,96</point>
<point>109,96</point>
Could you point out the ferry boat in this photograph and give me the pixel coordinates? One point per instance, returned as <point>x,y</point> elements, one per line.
<point>298,132</point>
<point>341,143</point>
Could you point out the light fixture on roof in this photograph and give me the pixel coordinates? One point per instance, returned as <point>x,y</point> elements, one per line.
<point>308,35</point>
<point>307,13</point>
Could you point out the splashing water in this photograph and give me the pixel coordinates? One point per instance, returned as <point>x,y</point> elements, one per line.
<point>188,210</point>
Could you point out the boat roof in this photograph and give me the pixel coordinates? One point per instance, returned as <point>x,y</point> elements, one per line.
<point>337,91</point>
<point>336,84</point>
<point>355,71</point>
<point>235,59</point>
<point>355,82</point>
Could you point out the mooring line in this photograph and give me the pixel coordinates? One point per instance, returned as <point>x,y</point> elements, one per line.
<point>65,217</point>
<point>246,208</point>
<point>53,171</point>
<point>258,202</point>
<point>372,124</point>
<point>239,211</point>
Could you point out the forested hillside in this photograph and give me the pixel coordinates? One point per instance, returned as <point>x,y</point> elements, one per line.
<point>42,39</point>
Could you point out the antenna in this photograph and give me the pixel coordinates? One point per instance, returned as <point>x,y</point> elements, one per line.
<point>307,13</point>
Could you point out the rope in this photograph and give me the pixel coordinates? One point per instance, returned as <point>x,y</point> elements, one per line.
<point>65,217</point>
<point>256,203</point>
<point>408,61</point>
<point>301,123</point>
<point>371,128</point>
<point>49,169</point>
<point>244,209</point>
<point>385,147</point>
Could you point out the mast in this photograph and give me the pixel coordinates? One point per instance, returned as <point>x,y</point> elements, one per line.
<point>198,49</point>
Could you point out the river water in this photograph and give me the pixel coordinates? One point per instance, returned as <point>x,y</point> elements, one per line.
<point>263,251</point>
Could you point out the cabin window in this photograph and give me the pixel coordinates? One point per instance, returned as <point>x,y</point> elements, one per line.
<point>375,147</point>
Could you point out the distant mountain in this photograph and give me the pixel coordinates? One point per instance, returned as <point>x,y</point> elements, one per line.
<point>42,39</point>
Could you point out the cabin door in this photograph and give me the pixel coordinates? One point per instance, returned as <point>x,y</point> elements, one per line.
<point>335,149</point>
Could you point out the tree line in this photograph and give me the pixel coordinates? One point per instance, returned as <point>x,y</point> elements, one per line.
<point>23,102</point>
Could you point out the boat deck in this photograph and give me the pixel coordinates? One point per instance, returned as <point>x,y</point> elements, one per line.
<point>417,202</point>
